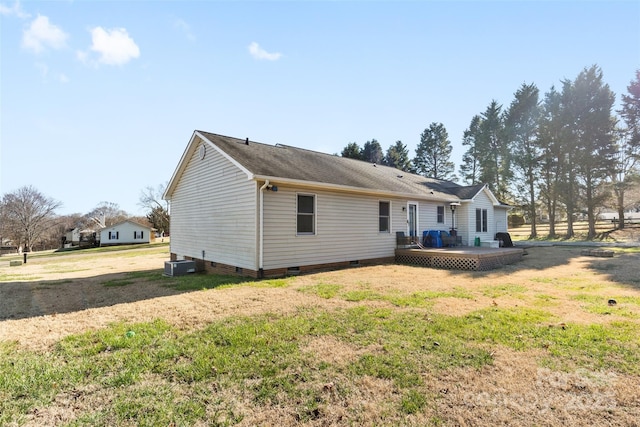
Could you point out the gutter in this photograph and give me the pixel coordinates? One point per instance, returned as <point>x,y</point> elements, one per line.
<point>261,239</point>
<point>355,190</point>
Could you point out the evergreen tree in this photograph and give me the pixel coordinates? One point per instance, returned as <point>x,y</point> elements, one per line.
<point>627,172</point>
<point>592,130</point>
<point>398,157</point>
<point>553,154</point>
<point>493,152</point>
<point>433,154</point>
<point>352,151</point>
<point>470,168</point>
<point>569,188</point>
<point>372,152</point>
<point>521,124</point>
<point>630,112</point>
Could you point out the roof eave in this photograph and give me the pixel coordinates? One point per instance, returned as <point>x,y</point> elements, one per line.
<point>350,189</point>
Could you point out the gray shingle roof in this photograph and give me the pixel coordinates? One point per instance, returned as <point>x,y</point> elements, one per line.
<point>291,163</point>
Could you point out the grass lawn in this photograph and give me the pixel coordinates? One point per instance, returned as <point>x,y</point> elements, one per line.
<point>535,343</point>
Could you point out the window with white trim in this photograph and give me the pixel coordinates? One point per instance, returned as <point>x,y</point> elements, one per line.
<point>114,235</point>
<point>481,221</point>
<point>384,212</point>
<point>138,234</point>
<point>440,214</point>
<point>306,219</point>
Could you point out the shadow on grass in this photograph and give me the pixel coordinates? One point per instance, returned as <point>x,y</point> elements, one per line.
<point>623,268</point>
<point>20,300</point>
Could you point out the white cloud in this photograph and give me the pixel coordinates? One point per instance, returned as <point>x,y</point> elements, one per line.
<point>114,46</point>
<point>62,78</point>
<point>13,10</point>
<point>259,53</point>
<point>42,34</point>
<point>185,28</point>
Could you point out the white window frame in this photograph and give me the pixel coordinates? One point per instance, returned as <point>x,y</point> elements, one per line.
<point>388,230</point>
<point>484,220</point>
<point>314,214</point>
<point>444,217</point>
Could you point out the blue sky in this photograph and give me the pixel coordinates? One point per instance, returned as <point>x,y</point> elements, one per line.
<point>98,99</point>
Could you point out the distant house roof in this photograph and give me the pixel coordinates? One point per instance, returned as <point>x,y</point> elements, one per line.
<point>297,165</point>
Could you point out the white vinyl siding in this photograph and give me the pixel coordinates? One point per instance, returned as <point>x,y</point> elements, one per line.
<point>214,210</point>
<point>347,229</point>
<point>125,232</point>
<point>482,202</point>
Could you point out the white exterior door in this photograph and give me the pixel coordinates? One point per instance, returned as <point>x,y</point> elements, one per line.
<point>412,218</point>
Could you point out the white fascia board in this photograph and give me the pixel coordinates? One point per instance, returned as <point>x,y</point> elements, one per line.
<point>226,156</point>
<point>188,152</point>
<point>347,189</point>
<point>492,197</point>
<point>179,168</point>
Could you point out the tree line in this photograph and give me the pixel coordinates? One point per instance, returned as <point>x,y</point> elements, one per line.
<point>564,154</point>
<point>28,218</point>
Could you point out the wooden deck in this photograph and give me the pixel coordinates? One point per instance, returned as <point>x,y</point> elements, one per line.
<point>460,258</point>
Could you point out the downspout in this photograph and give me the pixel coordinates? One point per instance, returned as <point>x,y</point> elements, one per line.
<point>261,240</point>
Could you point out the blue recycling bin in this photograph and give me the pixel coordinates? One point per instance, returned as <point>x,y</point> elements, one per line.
<point>436,240</point>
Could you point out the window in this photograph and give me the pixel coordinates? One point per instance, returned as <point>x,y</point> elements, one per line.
<point>113,235</point>
<point>440,215</point>
<point>481,220</point>
<point>383,213</point>
<point>138,234</point>
<point>306,214</point>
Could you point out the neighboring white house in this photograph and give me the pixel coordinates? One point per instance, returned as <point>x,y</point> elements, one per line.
<point>125,233</point>
<point>77,237</point>
<point>239,206</point>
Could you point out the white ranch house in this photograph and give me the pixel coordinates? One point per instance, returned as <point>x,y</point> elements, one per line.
<point>125,233</point>
<point>243,207</point>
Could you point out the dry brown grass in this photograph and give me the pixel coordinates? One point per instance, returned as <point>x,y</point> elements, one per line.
<point>516,390</point>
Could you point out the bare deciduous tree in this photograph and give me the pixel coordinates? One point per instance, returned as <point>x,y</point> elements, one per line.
<point>27,215</point>
<point>106,214</point>
<point>158,215</point>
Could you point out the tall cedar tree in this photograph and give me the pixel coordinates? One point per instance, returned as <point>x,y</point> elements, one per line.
<point>628,147</point>
<point>553,156</point>
<point>521,124</point>
<point>398,157</point>
<point>589,110</point>
<point>372,152</point>
<point>493,152</point>
<point>433,154</point>
<point>352,151</point>
<point>470,168</point>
